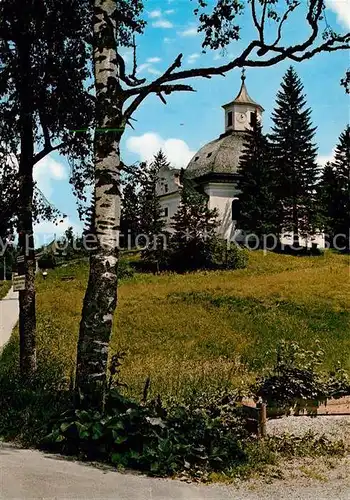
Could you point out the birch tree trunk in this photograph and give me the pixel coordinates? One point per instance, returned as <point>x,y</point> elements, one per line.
<point>101,295</point>
<point>27,317</point>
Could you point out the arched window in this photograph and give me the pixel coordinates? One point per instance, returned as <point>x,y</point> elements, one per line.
<point>235,210</point>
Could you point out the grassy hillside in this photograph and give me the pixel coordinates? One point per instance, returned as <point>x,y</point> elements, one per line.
<point>4,288</point>
<point>209,328</point>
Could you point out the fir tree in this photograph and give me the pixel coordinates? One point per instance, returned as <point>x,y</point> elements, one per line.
<point>130,214</point>
<point>334,192</point>
<point>151,213</point>
<point>258,206</point>
<point>295,155</point>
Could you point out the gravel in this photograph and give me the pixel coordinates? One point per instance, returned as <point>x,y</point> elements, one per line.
<point>334,427</point>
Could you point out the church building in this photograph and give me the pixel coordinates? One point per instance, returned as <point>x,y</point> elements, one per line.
<point>214,169</point>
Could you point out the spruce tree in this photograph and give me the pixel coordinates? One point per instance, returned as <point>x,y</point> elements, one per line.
<point>328,190</point>
<point>334,193</point>
<point>130,213</point>
<point>294,157</point>
<point>151,221</point>
<point>257,202</point>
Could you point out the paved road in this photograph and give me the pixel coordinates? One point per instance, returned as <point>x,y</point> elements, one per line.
<point>9,310</point>
<point>28,474</point>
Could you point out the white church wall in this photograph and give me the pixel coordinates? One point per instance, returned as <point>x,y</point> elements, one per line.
<point>318,239</point>
<point>221,197</point>
<point>170,203</point>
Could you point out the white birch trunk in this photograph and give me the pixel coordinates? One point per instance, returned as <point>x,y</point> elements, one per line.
<point>101,295</point>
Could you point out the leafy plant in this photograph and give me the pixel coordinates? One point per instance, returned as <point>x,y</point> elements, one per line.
<point>294,379</point>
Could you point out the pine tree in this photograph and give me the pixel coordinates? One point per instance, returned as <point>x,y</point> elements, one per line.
<point>195,227</point>
<point>334,193</point>
<point>257,202</point>
<point>294,157</point>
<point>130,213</point>
<point>151,221</point>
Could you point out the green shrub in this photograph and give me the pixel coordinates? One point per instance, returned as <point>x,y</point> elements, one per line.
<point>125,270</point>
<point>47,261</point>
<point>296,380</point>
<point>193,438</point>
<point>225,255</point>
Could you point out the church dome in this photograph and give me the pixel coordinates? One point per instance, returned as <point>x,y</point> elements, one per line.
<point>220,156</point>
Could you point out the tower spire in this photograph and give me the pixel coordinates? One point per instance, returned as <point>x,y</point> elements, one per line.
<point>243,77</point>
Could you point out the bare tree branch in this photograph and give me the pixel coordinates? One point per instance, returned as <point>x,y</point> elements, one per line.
<point>46,151</point>
<point>298,52</point>
<point>283,20</point>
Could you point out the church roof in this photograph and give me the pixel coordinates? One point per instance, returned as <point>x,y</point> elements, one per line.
<point>243,97</point>
<point>220,156</point>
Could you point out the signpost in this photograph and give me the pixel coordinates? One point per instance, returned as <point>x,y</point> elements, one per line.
<point>19,283</point>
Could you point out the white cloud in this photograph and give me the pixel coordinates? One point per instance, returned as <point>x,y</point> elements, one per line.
<point>322,160</point>
<point>142,67</point>
<point>162,23</point>
<point>154,71</point>
<point>169,11</point>
<point>147,145</point>
<point>153,59</point>
<point>168,40</point>
<point>47,172</point>
<point>127,55</point>
<point>46,231</point>
<point>155,13</point>
<point>148,66</point>
<point>192,31</point>
<point>193,58</point>
<point>342,9</point>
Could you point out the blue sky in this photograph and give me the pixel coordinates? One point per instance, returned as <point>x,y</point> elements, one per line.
<point>190,120</point>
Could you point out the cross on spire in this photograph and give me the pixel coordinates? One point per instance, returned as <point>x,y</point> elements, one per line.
<point>243,77</point>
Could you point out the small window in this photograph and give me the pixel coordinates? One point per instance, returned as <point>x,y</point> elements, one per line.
<point>229,119</point>
<point>166,212</point>
<point>196,158</point>
<point>166,188</point>
<point>253,119</point>
<point>235,210</point>
<point>209,155</point>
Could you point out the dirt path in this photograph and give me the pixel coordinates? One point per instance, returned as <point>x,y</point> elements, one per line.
<point>28,474</point>
<point>9,310</point>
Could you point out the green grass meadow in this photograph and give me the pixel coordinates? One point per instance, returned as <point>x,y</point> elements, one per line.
<point>207,329</point>
<point>4,288</point>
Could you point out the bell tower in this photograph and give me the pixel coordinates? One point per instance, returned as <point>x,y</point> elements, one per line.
<point>241,113</point>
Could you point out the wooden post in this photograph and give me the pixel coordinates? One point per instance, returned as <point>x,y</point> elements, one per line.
<point>262,421</point>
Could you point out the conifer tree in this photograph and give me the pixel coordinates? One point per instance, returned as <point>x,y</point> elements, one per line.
<point>257,202</point>
<point>294,154</point>
<point>328,190</point>
<point>130,214</point>
<point>151,221</point>
<point>334,193</point>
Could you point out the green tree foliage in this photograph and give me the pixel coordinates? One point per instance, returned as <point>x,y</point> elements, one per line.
<point>44,66</point>
<point>294,154</point>
<point>130,213</point>
<point>334,193</point>
<point>257,201</point>
<point>194,227</point>
<point>151,221</point>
